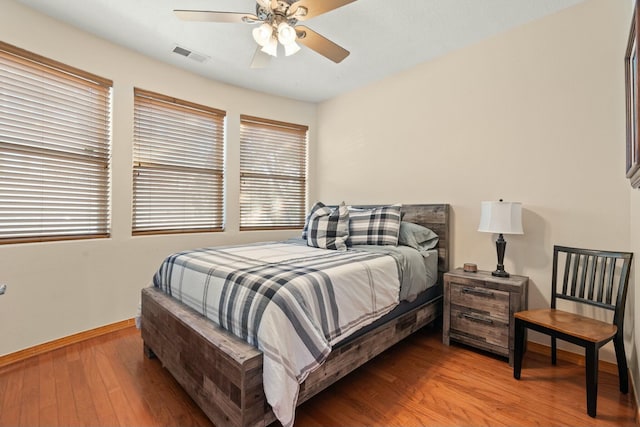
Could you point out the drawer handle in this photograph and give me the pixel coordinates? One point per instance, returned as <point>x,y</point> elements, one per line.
<point>478,291</point>
<point>476,318</point>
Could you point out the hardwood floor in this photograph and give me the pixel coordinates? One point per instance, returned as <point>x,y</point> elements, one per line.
<point>106,381</point>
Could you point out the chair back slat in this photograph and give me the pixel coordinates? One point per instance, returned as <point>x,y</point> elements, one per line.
<point>610,279</point>
<point>597,278</point>
<point>592,276</point>
<point>584,268</point>
<point>602,270</point>
<point>567,267</point>
<point>574,273</point>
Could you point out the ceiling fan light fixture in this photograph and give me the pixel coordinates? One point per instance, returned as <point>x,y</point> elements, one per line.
<point>271,48</point>
<point>286,34</point>
<point>263,34</point>
<point>291,48</point>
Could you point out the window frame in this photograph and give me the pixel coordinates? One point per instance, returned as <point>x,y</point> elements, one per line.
<point>96,154</point>
<point>275,126</point>
<point>183,107</point>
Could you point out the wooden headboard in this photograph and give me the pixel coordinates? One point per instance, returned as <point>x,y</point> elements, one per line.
<point>435,217</point>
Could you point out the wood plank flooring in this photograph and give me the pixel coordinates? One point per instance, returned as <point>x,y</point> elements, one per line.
<point>106,381</point>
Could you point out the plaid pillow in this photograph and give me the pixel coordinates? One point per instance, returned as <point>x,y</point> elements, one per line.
<point>377,226</point>
<point>314,208</point>
<point>329,228</point>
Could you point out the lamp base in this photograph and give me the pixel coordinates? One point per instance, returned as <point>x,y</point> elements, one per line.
<point>501,245</point>
<point>500,273</point>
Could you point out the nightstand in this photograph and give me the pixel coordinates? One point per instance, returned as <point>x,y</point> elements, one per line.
<point>479,307</point>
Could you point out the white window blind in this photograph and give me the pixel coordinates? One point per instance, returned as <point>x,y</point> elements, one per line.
<point>55,125</point>
<point>178,177</point>
<point>273,171</point>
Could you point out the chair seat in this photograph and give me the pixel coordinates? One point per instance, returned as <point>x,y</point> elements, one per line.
<point>579,326</point>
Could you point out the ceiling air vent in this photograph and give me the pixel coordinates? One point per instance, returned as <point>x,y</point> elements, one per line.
<point>198,57</point>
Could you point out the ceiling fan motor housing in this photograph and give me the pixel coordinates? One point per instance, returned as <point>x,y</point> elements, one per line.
<point>276,15</point>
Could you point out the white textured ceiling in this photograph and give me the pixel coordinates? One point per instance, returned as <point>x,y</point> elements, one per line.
<point>383,36</point>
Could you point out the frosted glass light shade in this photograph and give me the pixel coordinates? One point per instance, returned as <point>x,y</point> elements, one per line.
<point>267,36</point>
<point>501,217</point>
<point>271,47</point>
<point>291,48</point>
<point>262,34</point>
<point>286,34</point>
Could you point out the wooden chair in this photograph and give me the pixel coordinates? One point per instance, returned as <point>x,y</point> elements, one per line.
<point>592,277</point>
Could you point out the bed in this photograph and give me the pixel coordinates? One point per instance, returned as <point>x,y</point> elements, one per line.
<point>224,374</point>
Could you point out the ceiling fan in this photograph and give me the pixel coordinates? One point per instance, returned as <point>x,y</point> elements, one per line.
<point>277,23</point>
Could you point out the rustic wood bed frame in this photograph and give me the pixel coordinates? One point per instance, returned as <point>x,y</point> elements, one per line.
<point>223,374</point>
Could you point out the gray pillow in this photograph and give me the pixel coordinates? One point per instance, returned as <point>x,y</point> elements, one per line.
<point>417,236</point>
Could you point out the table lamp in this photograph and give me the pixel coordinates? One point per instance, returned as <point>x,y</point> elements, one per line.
<point>502,218</point>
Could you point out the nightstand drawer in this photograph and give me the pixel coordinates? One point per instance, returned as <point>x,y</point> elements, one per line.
<point>479,327</point>
<point>493,303</point>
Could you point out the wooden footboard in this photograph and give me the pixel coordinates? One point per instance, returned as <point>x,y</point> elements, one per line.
<point>223,374</point>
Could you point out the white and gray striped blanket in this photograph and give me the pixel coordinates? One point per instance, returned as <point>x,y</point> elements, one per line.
<point>291,301</point>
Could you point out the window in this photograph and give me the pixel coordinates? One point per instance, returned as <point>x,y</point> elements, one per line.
<point>178,155</point>
<point>55,132</point>
<point>273,170</point>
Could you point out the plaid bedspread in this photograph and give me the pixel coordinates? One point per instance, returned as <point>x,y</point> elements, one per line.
<point>291,301</point>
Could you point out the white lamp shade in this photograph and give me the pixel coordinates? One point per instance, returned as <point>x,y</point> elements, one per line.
<point>262,34</point>
<point>501,217</point>
<point>291,48</point>
<point>286,34</point>
<point>271,47</point>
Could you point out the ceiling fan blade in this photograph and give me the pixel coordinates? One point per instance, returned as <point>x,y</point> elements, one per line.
<point>212,16</point>
<point>306,9</point>
<point>321,44</point>
<point>260,59</point>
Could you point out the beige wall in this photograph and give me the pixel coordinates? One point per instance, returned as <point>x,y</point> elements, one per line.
<point>533,115</point>
<point>634,292</point>
<point>57,289</point>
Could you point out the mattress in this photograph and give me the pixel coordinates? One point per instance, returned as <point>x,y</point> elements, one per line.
<point>433,292</point>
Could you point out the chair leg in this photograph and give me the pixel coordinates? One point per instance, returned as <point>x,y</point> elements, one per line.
<point>621,357</point>
<point>591,362</point>
<point>553,350</point>
<point>518,350</point>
